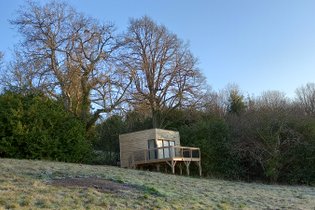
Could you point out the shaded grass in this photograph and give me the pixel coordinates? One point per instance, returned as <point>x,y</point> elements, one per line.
<point>25,184</point>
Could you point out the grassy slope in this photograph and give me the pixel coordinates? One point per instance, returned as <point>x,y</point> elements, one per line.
<point>24,185</point>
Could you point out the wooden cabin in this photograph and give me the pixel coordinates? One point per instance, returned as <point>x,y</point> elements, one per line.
<point>156,147</point>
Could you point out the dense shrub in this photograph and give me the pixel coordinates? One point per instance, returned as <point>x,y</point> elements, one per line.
<point>299,164</point>
<point>212,137</point>
<point>275,145</point>
<point>36,127</point>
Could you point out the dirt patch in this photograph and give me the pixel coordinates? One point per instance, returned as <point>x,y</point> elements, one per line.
<point>99,184</point>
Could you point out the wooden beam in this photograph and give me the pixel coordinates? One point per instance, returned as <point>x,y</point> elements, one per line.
<point>171,161</point>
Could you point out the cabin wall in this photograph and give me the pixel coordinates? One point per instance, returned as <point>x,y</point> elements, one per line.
<point>168,135</point>
<point>131,142</point>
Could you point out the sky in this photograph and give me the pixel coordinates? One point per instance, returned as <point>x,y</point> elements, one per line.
<point>258,45</point>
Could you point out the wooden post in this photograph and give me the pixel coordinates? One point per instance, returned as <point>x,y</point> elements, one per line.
<point>180,169</point>
<point>172,165</point>
<point>158,167</point>
<point>200,169</point>
<point>187,163</point>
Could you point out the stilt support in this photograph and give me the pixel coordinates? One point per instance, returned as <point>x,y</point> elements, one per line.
<point>187,163</point>
<point>180,169</point>
<point>198,163</point>
<point>172,165</point>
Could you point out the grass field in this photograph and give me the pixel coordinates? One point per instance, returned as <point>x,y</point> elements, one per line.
<point>26,184</point>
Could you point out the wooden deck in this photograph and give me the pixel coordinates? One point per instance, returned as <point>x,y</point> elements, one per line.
<point>170,155</point>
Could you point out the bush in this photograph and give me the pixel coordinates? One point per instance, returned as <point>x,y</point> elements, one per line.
<point>275,145</point>
<point>300,161</point>
<point>35,127</point>
<point>212,137</point>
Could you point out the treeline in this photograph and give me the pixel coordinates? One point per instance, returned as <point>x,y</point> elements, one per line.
<point>268,138</point>
<point>74,85</point>
<point>258,140</point>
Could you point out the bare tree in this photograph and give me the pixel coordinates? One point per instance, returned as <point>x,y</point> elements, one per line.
<point>272,100</point>
<point>163,69</point>
<point>214,103</point>
<point>306,98</point>
<point>72,57</point>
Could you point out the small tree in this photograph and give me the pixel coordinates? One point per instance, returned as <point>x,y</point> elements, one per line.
<point>236,104</point>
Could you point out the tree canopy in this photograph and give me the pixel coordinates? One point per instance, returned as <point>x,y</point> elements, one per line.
<point>69,56</point>
<point>164,71</point>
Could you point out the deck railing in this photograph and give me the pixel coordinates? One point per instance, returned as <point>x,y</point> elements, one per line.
<point>166,153</point>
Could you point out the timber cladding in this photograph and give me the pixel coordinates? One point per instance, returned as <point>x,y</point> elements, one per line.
<point>136,141</point>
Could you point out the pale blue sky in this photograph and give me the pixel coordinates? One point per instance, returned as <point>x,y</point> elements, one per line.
<point>259,45</point>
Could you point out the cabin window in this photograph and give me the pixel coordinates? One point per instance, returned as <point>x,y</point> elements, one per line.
<point>172,150</point>
<point>166,151</point>
<point>152,153</point>
<point>160,151</point>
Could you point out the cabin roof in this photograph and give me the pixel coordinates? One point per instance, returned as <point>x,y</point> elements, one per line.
<point>147,130</point>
